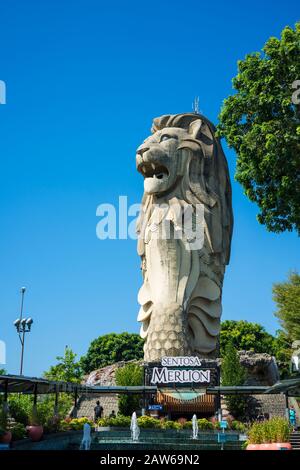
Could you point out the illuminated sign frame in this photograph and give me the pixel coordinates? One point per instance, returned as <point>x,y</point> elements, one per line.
<point>181,371</point>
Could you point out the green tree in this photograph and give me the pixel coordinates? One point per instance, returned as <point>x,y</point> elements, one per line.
<point>287,297</point>
<point>112,348</point>
<point>233,373</point>
<point>67,369</point>
<point>247,336</point>
<point>261,122</point>
<point>2,372</point>
<point>130,374</point>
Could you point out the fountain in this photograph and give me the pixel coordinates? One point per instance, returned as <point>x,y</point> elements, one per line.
<point>135,430</point>
<point>195,427</point>
<point>86,440</point>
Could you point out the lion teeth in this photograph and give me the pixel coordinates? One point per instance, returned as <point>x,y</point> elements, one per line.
<point>153,166</point>
<point>144,169</point>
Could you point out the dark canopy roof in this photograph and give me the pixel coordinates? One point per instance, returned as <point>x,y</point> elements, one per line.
<point>238,390</point>
<point>22,384</point>
<point>289,386</point>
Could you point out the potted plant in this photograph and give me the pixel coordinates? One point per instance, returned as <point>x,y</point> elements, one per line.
<point>35,429</point>
<point>270,435</point>
<point>5,435</point>
<point>18,431</point>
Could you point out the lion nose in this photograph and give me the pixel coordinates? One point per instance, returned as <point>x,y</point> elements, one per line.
<point>142,150</point>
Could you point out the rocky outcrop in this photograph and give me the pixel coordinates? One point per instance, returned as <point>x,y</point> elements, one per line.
<point>261,368</point>
<point>109,401</point>
<point>104,376</point>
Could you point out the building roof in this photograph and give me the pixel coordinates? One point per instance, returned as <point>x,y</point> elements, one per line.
<point>28,385</point>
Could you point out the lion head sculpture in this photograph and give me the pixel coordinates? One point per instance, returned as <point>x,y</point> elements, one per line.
<point>183,165</point>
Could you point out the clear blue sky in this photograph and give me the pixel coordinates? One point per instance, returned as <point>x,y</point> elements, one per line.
<point>84,80</point>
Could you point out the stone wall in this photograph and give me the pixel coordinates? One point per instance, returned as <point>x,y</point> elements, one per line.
<point>87,403</point>
<point>273,404</point>
<point>109,402</point>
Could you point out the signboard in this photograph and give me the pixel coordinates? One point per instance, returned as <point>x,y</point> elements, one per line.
<point>155,407</point>
<point>180,371</point>
<point>187,361</point>
<point>223,424</point>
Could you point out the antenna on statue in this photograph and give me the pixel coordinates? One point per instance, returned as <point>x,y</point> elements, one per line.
<point>195,105</point>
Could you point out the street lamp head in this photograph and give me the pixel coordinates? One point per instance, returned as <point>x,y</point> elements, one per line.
<point>23,289</point>
<point>29,322</point>
<point>17,324</point>
<point>23,322</point>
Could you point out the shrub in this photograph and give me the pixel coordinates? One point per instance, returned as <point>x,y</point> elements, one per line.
<point>18,431</point>
<point>120,421</point>
<point>45,409</point>
<point>130,374</point>
<point>3,420</point>
<point>204,424</point>
<point>187,425</point>
<point>103,422</point>
<point>64,424</point>
<point>171,425</point>
<point>52,424</point>
<point>274,430</point>
<point>37,417</point>
<point>77,423</point>
<point>20,407</point>
<point>147,422</point>
<point>237,426</point>
<point>233,373</point>
<point>182,421</point>
<point>255,434</point>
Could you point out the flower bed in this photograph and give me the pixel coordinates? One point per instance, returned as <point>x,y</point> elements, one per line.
<point>148,422</point>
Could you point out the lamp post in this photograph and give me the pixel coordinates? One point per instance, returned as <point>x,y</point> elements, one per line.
<point>23,325</point>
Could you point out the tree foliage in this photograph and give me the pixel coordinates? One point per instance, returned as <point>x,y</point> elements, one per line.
<point>21,408</point>
<point>68,369</point>
<point>112,348</point>
<point>247,336</point>
<point>130,374</point>
<point>233,373</point>
<point>261,122</point>
<point>287,297</point>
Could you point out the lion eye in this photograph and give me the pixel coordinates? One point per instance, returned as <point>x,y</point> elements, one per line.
<point>165,137</point>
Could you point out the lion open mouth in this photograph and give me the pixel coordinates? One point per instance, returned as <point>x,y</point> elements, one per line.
<point>153,170</point>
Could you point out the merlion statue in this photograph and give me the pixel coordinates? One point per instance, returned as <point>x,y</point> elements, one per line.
<point>184,168</point>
